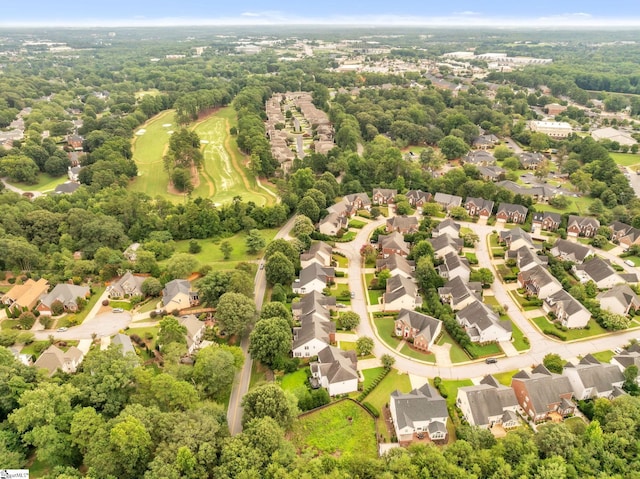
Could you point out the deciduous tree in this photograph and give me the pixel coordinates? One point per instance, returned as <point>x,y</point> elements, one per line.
<point>236,313</point>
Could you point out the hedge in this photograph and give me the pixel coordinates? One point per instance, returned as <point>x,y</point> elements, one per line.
<point>371,408</point>
<point>373,385</point>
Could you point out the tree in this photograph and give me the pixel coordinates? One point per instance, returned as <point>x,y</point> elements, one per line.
<point>26,320</point>
<point>270,400</point>
<point>364,346</point>
<point>302,226</point>
<point>483,275</point>
<point>226,249</point>
<point>131,443</point>
<point>614,322</point>
<point>212,286</point>
<point>511,163</point>
<point>349,320</point>
<point>276,309</point>
<point>539,141</point>
<point>163,391</point>
<point>279,269</point>
<point>382,278</point>
<point>387,361</point>
<point>270,341</point>
<point>214,369</point>
<point>453,147</point>
<point>431,160</point>
<point>553,362</point>
<point>236,313</point>
<point>502,152</point>
<point>181,265</point>
<point>254,241</point>
<point>194,247</point>
<point>171,331</point>
<point>599,241</point>
<point>151,287</point>
<point>309,208</point>
<point>280,245</point>
<point>631,380</point>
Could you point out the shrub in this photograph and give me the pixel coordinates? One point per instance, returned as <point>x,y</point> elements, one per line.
<point>153,314</point>
<point>105,302</point>
<point>25,337</point>
<point>372,409</point>
<point>57,308</point>
<point>8,337</point>
<point>46,321</point>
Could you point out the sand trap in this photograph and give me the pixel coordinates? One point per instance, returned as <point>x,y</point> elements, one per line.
<point>167,125</point>
<point>204,142</point>
<point>141,132</point>
<point>170,132</point>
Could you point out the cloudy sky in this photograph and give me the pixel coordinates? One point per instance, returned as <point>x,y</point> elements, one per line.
<point>396,12</point>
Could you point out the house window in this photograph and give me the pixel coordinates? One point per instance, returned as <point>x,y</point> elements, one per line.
<point>306,348</point>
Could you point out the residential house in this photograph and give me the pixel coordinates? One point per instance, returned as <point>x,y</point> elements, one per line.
<point>397,265</point>
<point>401,293</point>
<point>479,207</point>
<point>67,294</point>
<point>599,271</point>
<point>124,343</point>
<point>487,140</point>
<point>542,393</point>
<point>417,327</point>
<point>319,252</point>
<point>624,235</point>
<point>446,227</point>
<point>417,198</point>
<point>568,311</point>
<point>66,188</point>
<point>383,196</point>
<point>569,251</point>
<point>24,297</point>
<point>445,244</point>
<point>591,379</point>
<point>454,266</point>
<point>526,258</point>
<point>619,300</point>
<point>54,358</point>
<point>447,201</point>
<point>491,173</point>
<point>393,243</point>
<point>538,282</point>
<point>358,201</point>
<point>73,172</point>
<point>75,142</point>
<point>482,324</point>
<point>459,294</point>
<point>313,278</point>
<point>582,226</point>
<point>422,411</point>
<point>538,193</point>
<point>315,333</point>
<point>531,160</point>
<point>488,404</point>
<point>628,357</point>
<point>479,158</point>
<point>331,224</point>
<point>516,238</point>
<point>195,331</point>
<point>511,213</point>
<point>128,286</point>
<point>336,370</point>
<point>402,224</point>
<point>315,305</point>
<point>546,221</point>
<point>177,294</point>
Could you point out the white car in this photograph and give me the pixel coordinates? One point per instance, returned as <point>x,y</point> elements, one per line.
<point>62,329</point>
<point>117,310</point>
<point>617,350</point>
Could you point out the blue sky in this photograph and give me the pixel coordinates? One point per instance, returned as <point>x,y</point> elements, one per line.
<point>427,12</point>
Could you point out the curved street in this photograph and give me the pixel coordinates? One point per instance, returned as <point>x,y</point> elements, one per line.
<point>540,344</point>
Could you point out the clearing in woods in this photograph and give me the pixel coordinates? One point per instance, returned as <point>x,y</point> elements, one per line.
<point>223,175</point>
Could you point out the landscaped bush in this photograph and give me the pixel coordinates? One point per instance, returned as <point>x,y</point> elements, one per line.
<point>373,384</point>
<point>8,337</point>
<point>372,409</point>
<point>340,274</point>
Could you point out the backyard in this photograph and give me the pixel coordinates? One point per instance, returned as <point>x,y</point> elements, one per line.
<point>379,397</point>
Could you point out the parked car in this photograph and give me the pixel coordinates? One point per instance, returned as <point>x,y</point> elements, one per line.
<point>628,262</point>
<point>62,329</point>
<point>261,265</point>
<point>491,360</point>
<point>353,294</point>
<point>117,310</point>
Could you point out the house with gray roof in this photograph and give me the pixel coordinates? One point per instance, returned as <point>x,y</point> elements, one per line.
<point>65,293</point>
<point>591,379</point>
<point>492,173</point>
<point>546,220</point>
<point>489,404</point>
<point>54,358</point>
<point>628,357</point>
<point>511,213</point>
<point>445,244</point>
<point>417,327</point>
<point>599,271</point>
<point>582,226</point>
<point>124,343</point>
<point>314,303</point>
<point>516,238</point>
<point>625,235</point>
<point>397,265</point>
<point>458,293</point>
<point>393,243</point>
<point>66,188</point>
<point>447,201</point>
<point>401,293</point>
<point>570,251</point>
<point>568,311</point>
<point>177,295</point>
<point>479,207</point>
<point>313,278</point>
<point>454,266</point>
<point>319,252</point>
<point>402,224</point>
<point>331,224</point>
<point>336,370</point>
<point>482,324</point>
<point>487,140</point>
<point>478,158</point>
<point>422,411</point>
<point>538,282</point>
<point>446,227</point>
<point>531,160</point>
<point>312,336</point>
<point>195,331</point>
<point>383,196</point>
<point>542,393</point>
<point>127,286</point>
<point>619,300</point>
<point>526,258</point>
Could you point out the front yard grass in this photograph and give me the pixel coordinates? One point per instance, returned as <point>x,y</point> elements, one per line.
<point>571,334</point>
<point>375,295</point>
<point>635,259</point>
<point>451,388</point>
<point>82,315</point>
<point>126,305</point>
<point>342,261</point>
<point>477,351</point>
<point>625,159</point>
<point>456,353</point>
<point>342,429</point>
<point>419,355</point>
<point>386,328</point>
<point>505,378</point>
<point>519,338</point>
<point>604,356</point>
<point>357,224</point>
<point>379,397</point>
<point>33,347</point>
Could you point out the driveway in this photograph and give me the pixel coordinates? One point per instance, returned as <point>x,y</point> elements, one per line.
<point>105,324</point>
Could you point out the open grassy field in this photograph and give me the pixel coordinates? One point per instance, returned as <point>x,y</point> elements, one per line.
<point>45,183</point>
<point>223,176</point>
<point>330,431</point>
<point>625,159</point>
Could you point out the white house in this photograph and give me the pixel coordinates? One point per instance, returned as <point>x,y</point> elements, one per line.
<point>401,293</point>
<point>598,271</point>
<point>319,252</point>
<point>53,358</point>
<point>619,299</point>
<point>195,331</point>
<point>482,324</point>
<point>422,411</point>
<point>488,404</point>
<point>336,370</point>
<point>592,379</point>
<point>455,266</point>
<point>567,310</point>
<point>313,278</point>
<point>448,227</point>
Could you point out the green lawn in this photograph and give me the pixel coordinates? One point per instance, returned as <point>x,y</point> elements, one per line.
<point>257,375</point>
<point>148,306</point>
<point>490,301</point>
<point>8,323</point>
<point>604,356</point>
<point>625,159</point>
<point>356,224</point>
<point>473,259</point>
<point>571,334</point>
<point>330,431</point>
<point>126,305</point>
<point>505,378</point>
<point>31,348</point>
<point>370,375</point>
<point>341,260</point>
<point>379,397</point>
<point>456,353</point>
<point>386,328</point>
<point>519,338</point>
<point>375,295</point>
<point>143,331</point>
<point>45,183</point>
<point>451,388</point>
<point>412,353</point>
<point>478,351</point>
<point>347,345</point>
<point>292,381</point>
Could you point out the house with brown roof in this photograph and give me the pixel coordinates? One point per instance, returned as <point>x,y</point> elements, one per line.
<point>542,393</point>
<point>383,196</point>
<point>511,213</point>
<point>393,243</point>
<point>24,297</point>
<point>336,370</point>
<point>624,235</point>
<point>619,300</point>
<point>418,328</point>
<point>582,226</point>
<point>479,207</point>
<point>402,224</point>
<point>417,198</point>
<point>488,404</point>
<point>546,220</point>
<point>54,358</point>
